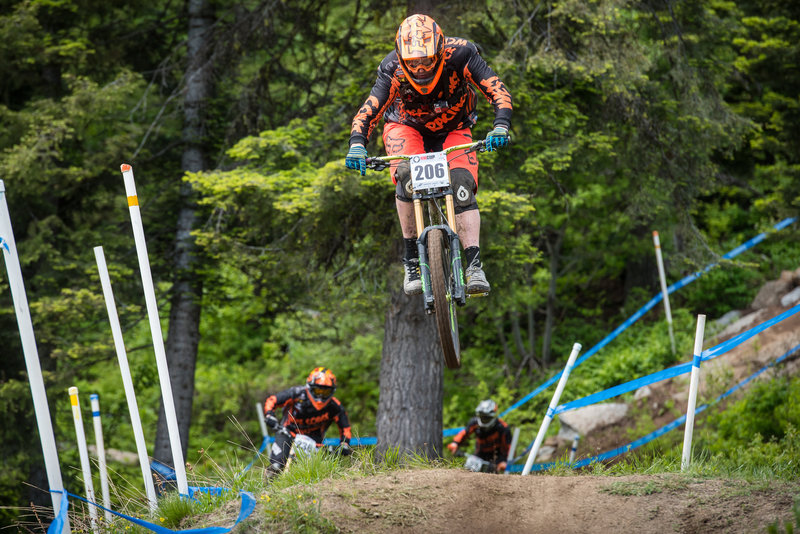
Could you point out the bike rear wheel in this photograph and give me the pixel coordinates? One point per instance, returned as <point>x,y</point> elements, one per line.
<point>443,303</point>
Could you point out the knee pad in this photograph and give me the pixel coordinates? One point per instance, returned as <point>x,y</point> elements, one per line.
<point>403,190</point>
<point>463,190</point>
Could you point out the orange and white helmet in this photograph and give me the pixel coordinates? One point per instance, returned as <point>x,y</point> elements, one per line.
<point>420,49</point>
<point>320,385</point>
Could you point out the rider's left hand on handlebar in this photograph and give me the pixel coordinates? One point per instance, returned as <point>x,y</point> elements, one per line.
<point>452,446</point>
<point>271,421</point>
<point>497,138</point>
<point>357,158</point>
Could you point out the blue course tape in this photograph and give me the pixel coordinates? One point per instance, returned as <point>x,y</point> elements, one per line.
<point>680,369</point>
<point>163,470</point>
<point>725,346</point>
<point>627,387</point>
<point>61,519</point>
<point>248,505</point>
<point>655,300</point>
<point>266,440</point>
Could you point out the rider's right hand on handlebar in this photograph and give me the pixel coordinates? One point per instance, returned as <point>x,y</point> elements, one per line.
<point>357,158</point>
<point>271,421</point>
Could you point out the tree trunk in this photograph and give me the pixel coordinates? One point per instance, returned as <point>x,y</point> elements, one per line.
<point>411,380</point>
<point>184,318</point>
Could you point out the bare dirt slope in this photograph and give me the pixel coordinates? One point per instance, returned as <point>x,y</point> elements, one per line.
<point>450,500</point>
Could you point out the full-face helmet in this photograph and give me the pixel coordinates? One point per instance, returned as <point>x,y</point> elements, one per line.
<point>486,412</point>
<point>320,385</point>
<point>420,49</point>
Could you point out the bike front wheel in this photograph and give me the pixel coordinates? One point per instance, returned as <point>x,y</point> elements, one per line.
<point>444,304</point>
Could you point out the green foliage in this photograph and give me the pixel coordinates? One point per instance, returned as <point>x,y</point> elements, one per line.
<point>760,426</point>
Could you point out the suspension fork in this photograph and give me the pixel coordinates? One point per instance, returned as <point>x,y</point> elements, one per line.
<point>457,267</point>
<point>422,248</point>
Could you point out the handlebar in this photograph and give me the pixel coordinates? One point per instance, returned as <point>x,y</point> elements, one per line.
<point>379,163</point>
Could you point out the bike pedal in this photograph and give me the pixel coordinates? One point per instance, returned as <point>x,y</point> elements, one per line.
<point>473,295</point>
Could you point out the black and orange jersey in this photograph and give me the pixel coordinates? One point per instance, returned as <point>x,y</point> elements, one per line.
<point>449,106</point>
<point>300,417</point>
<point>491,444</point>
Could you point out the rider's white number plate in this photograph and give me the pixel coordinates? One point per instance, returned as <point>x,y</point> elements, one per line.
<point>429,171</point>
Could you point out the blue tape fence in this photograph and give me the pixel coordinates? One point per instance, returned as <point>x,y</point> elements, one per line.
<point>680,369</point>
<point>632,385</point>
<point>248,504</point>
<point>516,468</point>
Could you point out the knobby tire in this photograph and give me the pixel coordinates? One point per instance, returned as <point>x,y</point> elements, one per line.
<point>443,303</point>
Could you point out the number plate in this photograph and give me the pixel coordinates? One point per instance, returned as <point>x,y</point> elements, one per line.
<point>429,171</point>
<point>304,444</point>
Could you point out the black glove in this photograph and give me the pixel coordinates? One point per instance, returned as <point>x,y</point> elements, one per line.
<point>272,421</point>
<point>345,449</point>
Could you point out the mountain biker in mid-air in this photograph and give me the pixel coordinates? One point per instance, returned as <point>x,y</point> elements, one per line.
<point>492,436</point>
<point>424,92</point>
<point>309,410</point>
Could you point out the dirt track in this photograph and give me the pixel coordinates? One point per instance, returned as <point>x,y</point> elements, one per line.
<point>448,500</point>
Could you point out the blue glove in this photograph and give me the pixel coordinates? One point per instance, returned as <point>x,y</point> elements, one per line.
<point>497,138</point>
<point>356,159</point>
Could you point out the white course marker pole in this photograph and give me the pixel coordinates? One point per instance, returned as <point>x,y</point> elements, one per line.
<point>155,331</point>
<point>576,348</point>
<point>127,381</point>
<point>101,454</point>
<point>32,364</point>
<point>574,449</point>
<point>512,449</point>
<point>261,421</point>
<point>693,385</point>
<point>664,292</point>
<point>84,455</point>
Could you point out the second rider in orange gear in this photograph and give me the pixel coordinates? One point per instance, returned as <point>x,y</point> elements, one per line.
<point>309,410</point>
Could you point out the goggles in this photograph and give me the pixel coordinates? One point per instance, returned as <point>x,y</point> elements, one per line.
<point>321,392</point>
<point>485,417</point>
<point>420,62</point>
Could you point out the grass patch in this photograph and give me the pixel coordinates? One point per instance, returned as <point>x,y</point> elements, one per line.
<point>632,488</point>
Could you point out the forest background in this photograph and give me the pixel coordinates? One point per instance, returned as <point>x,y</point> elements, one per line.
<point>271,258</point>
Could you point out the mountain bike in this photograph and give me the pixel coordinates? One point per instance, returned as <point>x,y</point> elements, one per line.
<point>302,446</point>
<point>440,262</point>
<point>476,463</point>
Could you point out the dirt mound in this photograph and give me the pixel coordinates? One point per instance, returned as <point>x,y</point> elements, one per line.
<point>451,500</point>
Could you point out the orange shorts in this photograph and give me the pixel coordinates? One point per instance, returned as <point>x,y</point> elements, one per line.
<point>401,139</point>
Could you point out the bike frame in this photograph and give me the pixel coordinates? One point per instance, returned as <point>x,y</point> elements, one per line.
<point>432,199</point>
